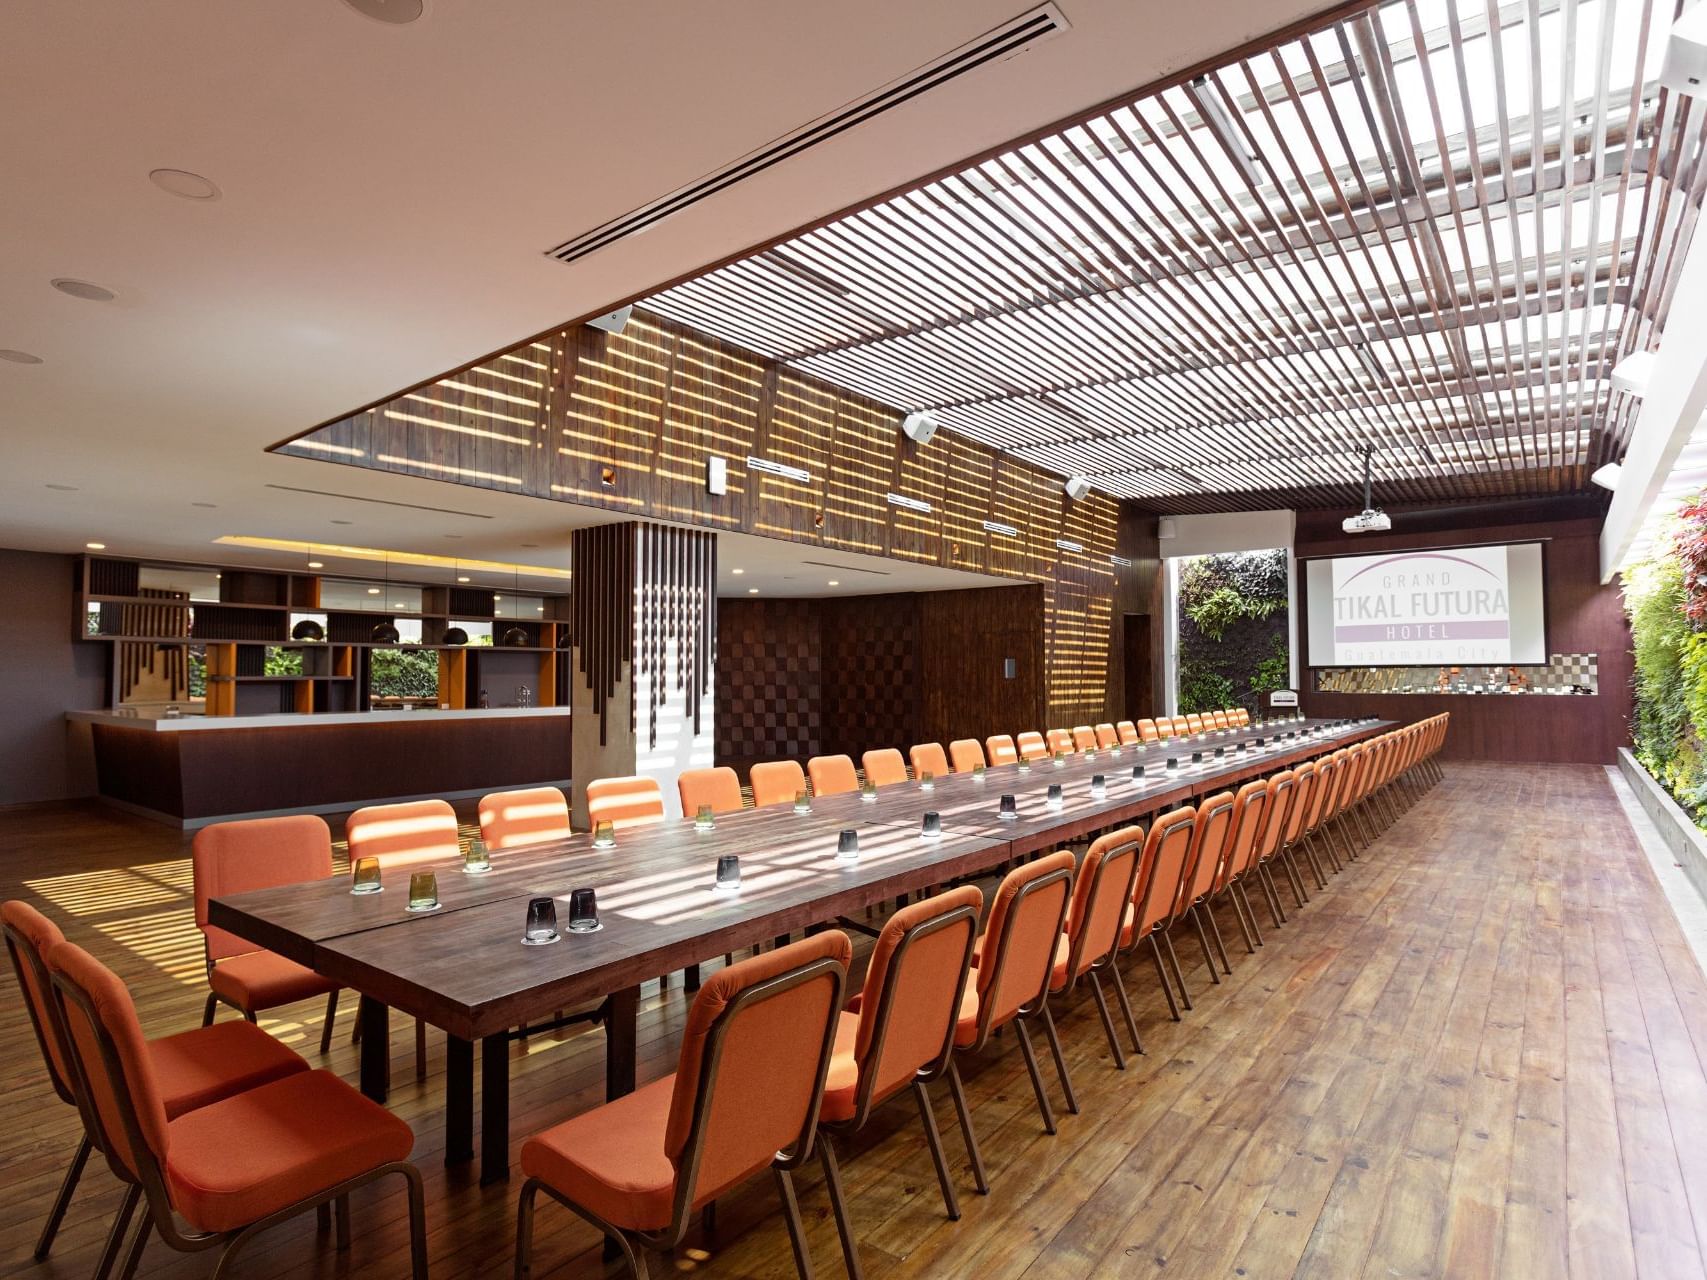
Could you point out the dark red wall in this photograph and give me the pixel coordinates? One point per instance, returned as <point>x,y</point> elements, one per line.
<point>1582,617</point>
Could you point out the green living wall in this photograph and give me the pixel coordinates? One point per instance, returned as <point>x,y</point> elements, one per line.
<point>1232,630</point>
<point>1666,598</point>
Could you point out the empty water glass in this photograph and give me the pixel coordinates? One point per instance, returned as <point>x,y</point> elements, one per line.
<point>542,923</point>
<point>423,891</point>
<point>583,911</point>
<point>365,876</point>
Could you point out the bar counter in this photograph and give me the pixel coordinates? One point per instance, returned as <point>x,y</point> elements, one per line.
<point>194,770</point>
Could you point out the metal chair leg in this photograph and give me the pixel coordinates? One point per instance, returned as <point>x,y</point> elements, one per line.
<point>1215,937</point>
<point>1036,1080</point>
<point>208,1009</point>
<point>1173,964</point>
<point>326,1030</point>
<point>934,1139</point>
<point>973,1155</point>
<point>1266,876</point>
<point>1162,977</point>
<point>63,1200</point>
<point>1125,1004</point>
<point>1203,941</point>
<point>839,1207</point>
<point>1107,1022</point>
<point>133,1258</point>
<point>1247,913</point>
<point>1060,1059</point>
<point>117,1232</point>
<point>796,1230</point>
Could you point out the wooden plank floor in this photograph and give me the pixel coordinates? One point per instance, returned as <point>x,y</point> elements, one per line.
<point>1479,1053</point>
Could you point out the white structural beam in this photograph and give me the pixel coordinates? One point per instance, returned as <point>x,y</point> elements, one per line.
<point>1674,401</point>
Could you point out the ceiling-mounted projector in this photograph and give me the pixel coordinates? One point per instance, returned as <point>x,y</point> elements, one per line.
<point>1371,519</point>
<point>920,426</point>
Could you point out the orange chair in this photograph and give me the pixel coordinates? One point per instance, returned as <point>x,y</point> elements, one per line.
<point>1164,728</point>
<point>1304,779</point>
<point>1249,804</point>
<point>1107,736</point>
<point>928,757</point>
<point>194,1068</point>
<point>719,788</point>
<point>1084,738</point>
<point>632,801</point>
<point>832,775</point>
<point>1018,957</point>
<point>234,857</point>
<point>883,767</point>
<point>1203,866</point>
<point>1128,733</point>
<point>516,819</point>
<point>1151,731</point>
<point>775,782</point>
<point>1218,720</point>
<point>1032,746</point>
<point>744,1097</point>
<point>1182,726</point>
<point>1281,791</point>
<point>1061,742</point>
<point>404,835</point>
<point>1102,894</point>
<point>233,1168</point>
<point>1000,749</point>
<point>1241,717</point>
<point>899,1031</point>
<point>965,754</point>
<point>1156,895</point>
<point>1194,722</point>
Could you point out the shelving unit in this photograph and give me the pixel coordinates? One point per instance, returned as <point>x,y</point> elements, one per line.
<point>253,613</point>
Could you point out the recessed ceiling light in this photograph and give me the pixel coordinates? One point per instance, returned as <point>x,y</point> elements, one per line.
<point>373,591</point>
<point>834,583</point>
<point>18,357</point>
<point>462,579</point>
<point>207,506</point>
<point>531,546</point>
<point>453,535</point>
<point>82,289</point>
<point>96,546</point>
<point>181,182</point>
<point>752,591</point>
<point>497,597</point>
<point>315,564</point>
<point>340,522</point>
<point>541,609</point>
<point>64,488</point>
<point>394,13</point>
<point>737,571</point>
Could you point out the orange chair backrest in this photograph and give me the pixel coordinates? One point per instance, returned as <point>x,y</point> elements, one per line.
<point>29,937</point>
<point>402,835</point>
<point>1208,845</point>
<point>913,985</point>
<point>258,853</point>
<point>1000,749</point>
<point>1032,746</point>
<point>1020,937</point>
<point>1281,790</point>
<point>1107,736</point>
<point>1181,725</point>
<point>1242,716</point>
<point>719,787</point>
<point>1249,804</point>
<point>1217,719</point>
<point>965,754</point>
<point>632,801</point>
<point>1304,779</point>
<point>831,775</point>
<point>883,767</point>
<point>928,757</point>
<point>1153,730</point>
<point>1327,782</point>
<point>1102,890</point>
<point>1165,859</point>
<point>1084,738</point>
<point>516,819</point>
<point>122,1093</point>
<point>1128,733</point>
<point>755,1049</point>
<point>1194,722</point>
<point>776,782</point>
<point>1061,741</point>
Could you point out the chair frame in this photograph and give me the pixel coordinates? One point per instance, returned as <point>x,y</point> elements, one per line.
<point>1132,848</point>
<point>148,1181</point>
<point>633,1244</point>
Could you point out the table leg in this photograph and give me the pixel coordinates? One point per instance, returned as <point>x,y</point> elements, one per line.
<point>459,1100</point>
<point>620,1022</point>
<point>376,1048</point>
<point>494,1108</point>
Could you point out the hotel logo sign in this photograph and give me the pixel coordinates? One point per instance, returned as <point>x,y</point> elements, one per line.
<point>1424,608</point>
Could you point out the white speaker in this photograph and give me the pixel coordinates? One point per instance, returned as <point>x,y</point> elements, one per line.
<point>1077,487</point>
<point>1166,528</point>
<point>613,321</point>
<point>920,426</point>
<point>1684,69</point>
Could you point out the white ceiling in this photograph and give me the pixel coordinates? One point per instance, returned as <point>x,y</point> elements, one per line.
<point>388,196</point>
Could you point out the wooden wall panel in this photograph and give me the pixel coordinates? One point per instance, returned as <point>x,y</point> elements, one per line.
<point>873,689</point>
<point>1583,616</point>
<point>628,421</point>
<point>965,638</point>
<point>769,686</point>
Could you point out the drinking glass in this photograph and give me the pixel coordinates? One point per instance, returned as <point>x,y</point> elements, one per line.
<point>1055,797</point>
<point>1060,760</point>
<point>1008,810</point>
<point>931,827</point>
<point>604,835</point>
<point>542,923</point>
<point>365,877</point>
<point>1137,773</point>
<point>728,872</point>
<point>1099,787</point>
<point>1173,762</point>
<point>423,891</point>
<point>927,781</point>
<point>847,844</point>
<point>475,860</point>
<point>704,819</point>
<point>583,911</point>
<point>977,773</point>
<point>868,792</point>
<point>1024,765</point>
<point>802,802</point>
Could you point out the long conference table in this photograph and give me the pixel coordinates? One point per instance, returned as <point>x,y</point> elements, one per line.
<point>462,967</point>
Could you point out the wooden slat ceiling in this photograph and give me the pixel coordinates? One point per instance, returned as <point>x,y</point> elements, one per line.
<point>1430,228</point>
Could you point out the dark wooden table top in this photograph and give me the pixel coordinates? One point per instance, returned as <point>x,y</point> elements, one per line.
<point>463,968</point>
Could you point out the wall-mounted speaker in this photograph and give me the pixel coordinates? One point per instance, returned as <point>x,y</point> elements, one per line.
<point>1684,68</point>
<point>613,321</point>
<point>920,427</point>
<point>1077,487</point>
<point>1166,528</point>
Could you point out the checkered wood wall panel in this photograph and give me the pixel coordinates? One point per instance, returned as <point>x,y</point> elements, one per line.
<point>769,682</point>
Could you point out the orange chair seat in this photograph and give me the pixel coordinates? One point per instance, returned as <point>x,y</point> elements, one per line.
<point>611,1160</point>
<point>237,1161</point>
<point>195,1068</point>
<point>841,1085</point>
<point>259,980</point>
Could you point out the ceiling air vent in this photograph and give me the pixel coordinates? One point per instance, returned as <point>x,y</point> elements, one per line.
<point>1012,37</point>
